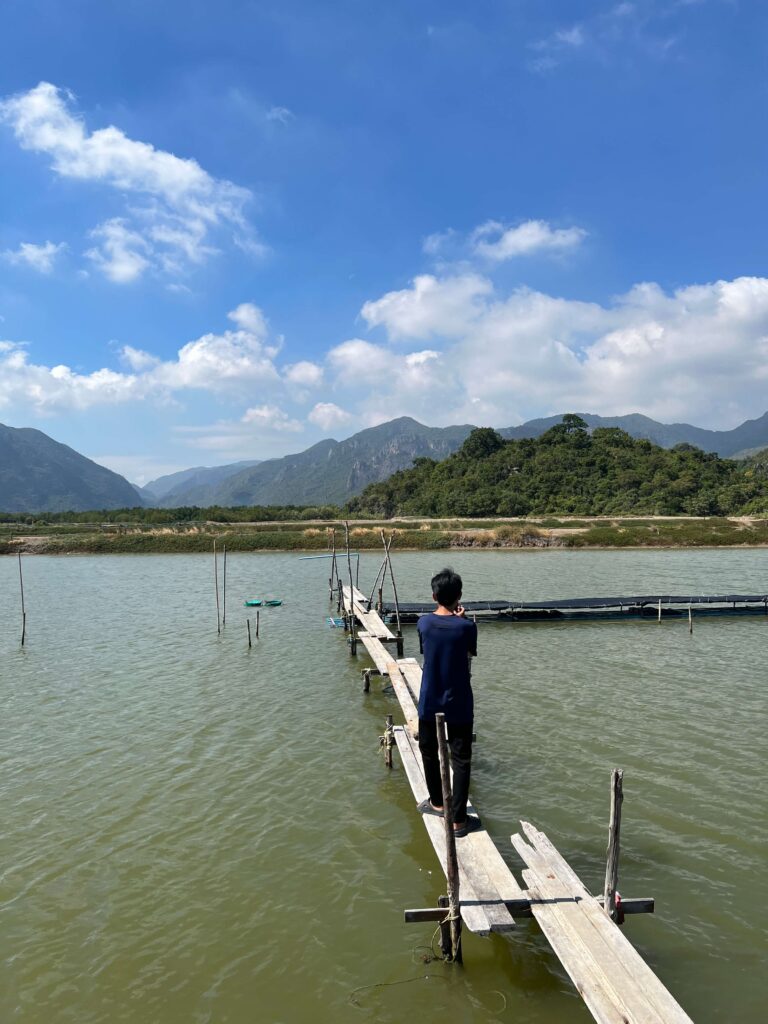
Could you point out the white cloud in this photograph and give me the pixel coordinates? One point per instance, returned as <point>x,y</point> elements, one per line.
<point>271,417</point>
<point>39,257</point>
<point>430,306</point>
<point>305,374</point>
<point>570,36</point>
<point>698,354</point>
<point>121,253</point>
<point>326,415</point>
<point>181,202</point>
<point>496,242</point>
<point>434,244</point>
<point>234,361</point>
<point>249,317</point>
<point>281,114</point>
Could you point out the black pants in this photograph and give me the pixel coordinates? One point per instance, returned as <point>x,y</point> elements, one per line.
<point>460,744</point>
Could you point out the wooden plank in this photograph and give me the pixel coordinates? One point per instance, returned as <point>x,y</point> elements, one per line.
<point>381,657</point>
<point>411,669</point>
<point>403,695</point>
<point>476,852</point>
<point>600,960</point>
<point>618,949</point>
<point>521,907</point>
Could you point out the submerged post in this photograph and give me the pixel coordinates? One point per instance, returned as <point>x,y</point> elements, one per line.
<point>690,619</point>
<point>23,611</point>
<point>389,740</point>
<point>257,623</point>
<point>248,624</point>
<point>614,826</point>
<point>216,584</point>
<point>452,862</point>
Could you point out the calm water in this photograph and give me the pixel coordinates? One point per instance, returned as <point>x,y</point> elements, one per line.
<point>194,832</point>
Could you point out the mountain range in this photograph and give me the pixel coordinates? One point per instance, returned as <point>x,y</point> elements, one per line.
<point>37,474</point>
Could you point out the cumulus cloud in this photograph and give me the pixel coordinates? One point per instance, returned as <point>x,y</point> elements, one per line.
<point>39,257</point>
<point>179,203</point>
<point>496,242</point>
<point>699,353</point>
<point>230,362</point>
<point>326,415</point>
<point>305,374</point>
<point>271,417</point>
<point>431,306</point>
<point>281,114</point>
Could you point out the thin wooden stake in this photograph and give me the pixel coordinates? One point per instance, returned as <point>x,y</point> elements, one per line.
<point>23,611</point>
<point>352,621</point>
<point>614,826</point>
<point>389,739</point>
<point>690,619</point>
<point>659,609</point>
<point>224,606</point>
<point>216,583</point>
<point>452,862</point>
<point>257,623</point>
<point>394,591</point>
<point>248,624</point>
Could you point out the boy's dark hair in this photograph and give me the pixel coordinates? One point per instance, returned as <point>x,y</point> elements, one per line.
<point>446,586</point>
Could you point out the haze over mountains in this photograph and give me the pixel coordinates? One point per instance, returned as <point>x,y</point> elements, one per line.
<point>37,474</point>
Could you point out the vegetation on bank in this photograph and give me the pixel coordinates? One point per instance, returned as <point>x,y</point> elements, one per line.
<point>568,470</point>
<point>416,536</point>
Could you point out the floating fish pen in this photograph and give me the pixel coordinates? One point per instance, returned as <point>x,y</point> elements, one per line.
<point>649,606</point>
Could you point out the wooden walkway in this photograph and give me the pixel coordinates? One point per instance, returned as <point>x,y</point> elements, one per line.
<point>616,984</point>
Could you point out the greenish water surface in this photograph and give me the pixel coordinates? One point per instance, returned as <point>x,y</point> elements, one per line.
<point>197,832</point>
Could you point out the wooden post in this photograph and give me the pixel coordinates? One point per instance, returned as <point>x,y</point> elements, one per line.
<point>381,601</point>
<point>216,583</point>
<point>257,623</point>
<point>366,680</point>
<point>224,605</point>
<point>334,568</point>
<point>248,624</point>
<point>23,611</point>
<point>659,609</point>
<point>690,619</point>
<point>452,863</point>
<point>614,826</point>
<point>389,739</point>
<point>352,621</point>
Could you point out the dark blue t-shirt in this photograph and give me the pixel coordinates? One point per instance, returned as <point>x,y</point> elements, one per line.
<point>447,642</point>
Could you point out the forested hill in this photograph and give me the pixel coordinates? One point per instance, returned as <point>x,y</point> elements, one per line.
<point>569,470</point>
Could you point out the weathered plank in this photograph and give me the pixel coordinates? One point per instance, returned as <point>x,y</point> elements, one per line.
<point>380,656</point>
<point>482,908</point>
<point>403,695</point>
<point>411,669</point>
<point>611,976</point>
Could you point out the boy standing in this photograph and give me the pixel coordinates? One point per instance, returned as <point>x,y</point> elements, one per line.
<point>448,640</point>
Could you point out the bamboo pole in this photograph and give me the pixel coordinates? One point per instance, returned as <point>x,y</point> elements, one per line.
<point>452,862</point>
<point>248,624</point>
<point>690,619</point>
<point>394,591</point>
<point>334,569</point>
<point>216,584</point>
<point>257,622</point>
<point>659,609</point>
<point>382,569</point>
<point>23,610</point>
<point>224,608</point>
<point>614,827</point>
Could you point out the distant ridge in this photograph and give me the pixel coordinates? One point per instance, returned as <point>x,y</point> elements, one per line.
<point>38,474</point>
<point>331,472</point>
<point>198,476</point>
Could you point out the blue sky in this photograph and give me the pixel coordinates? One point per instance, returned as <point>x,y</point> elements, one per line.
<point>231,229</point>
